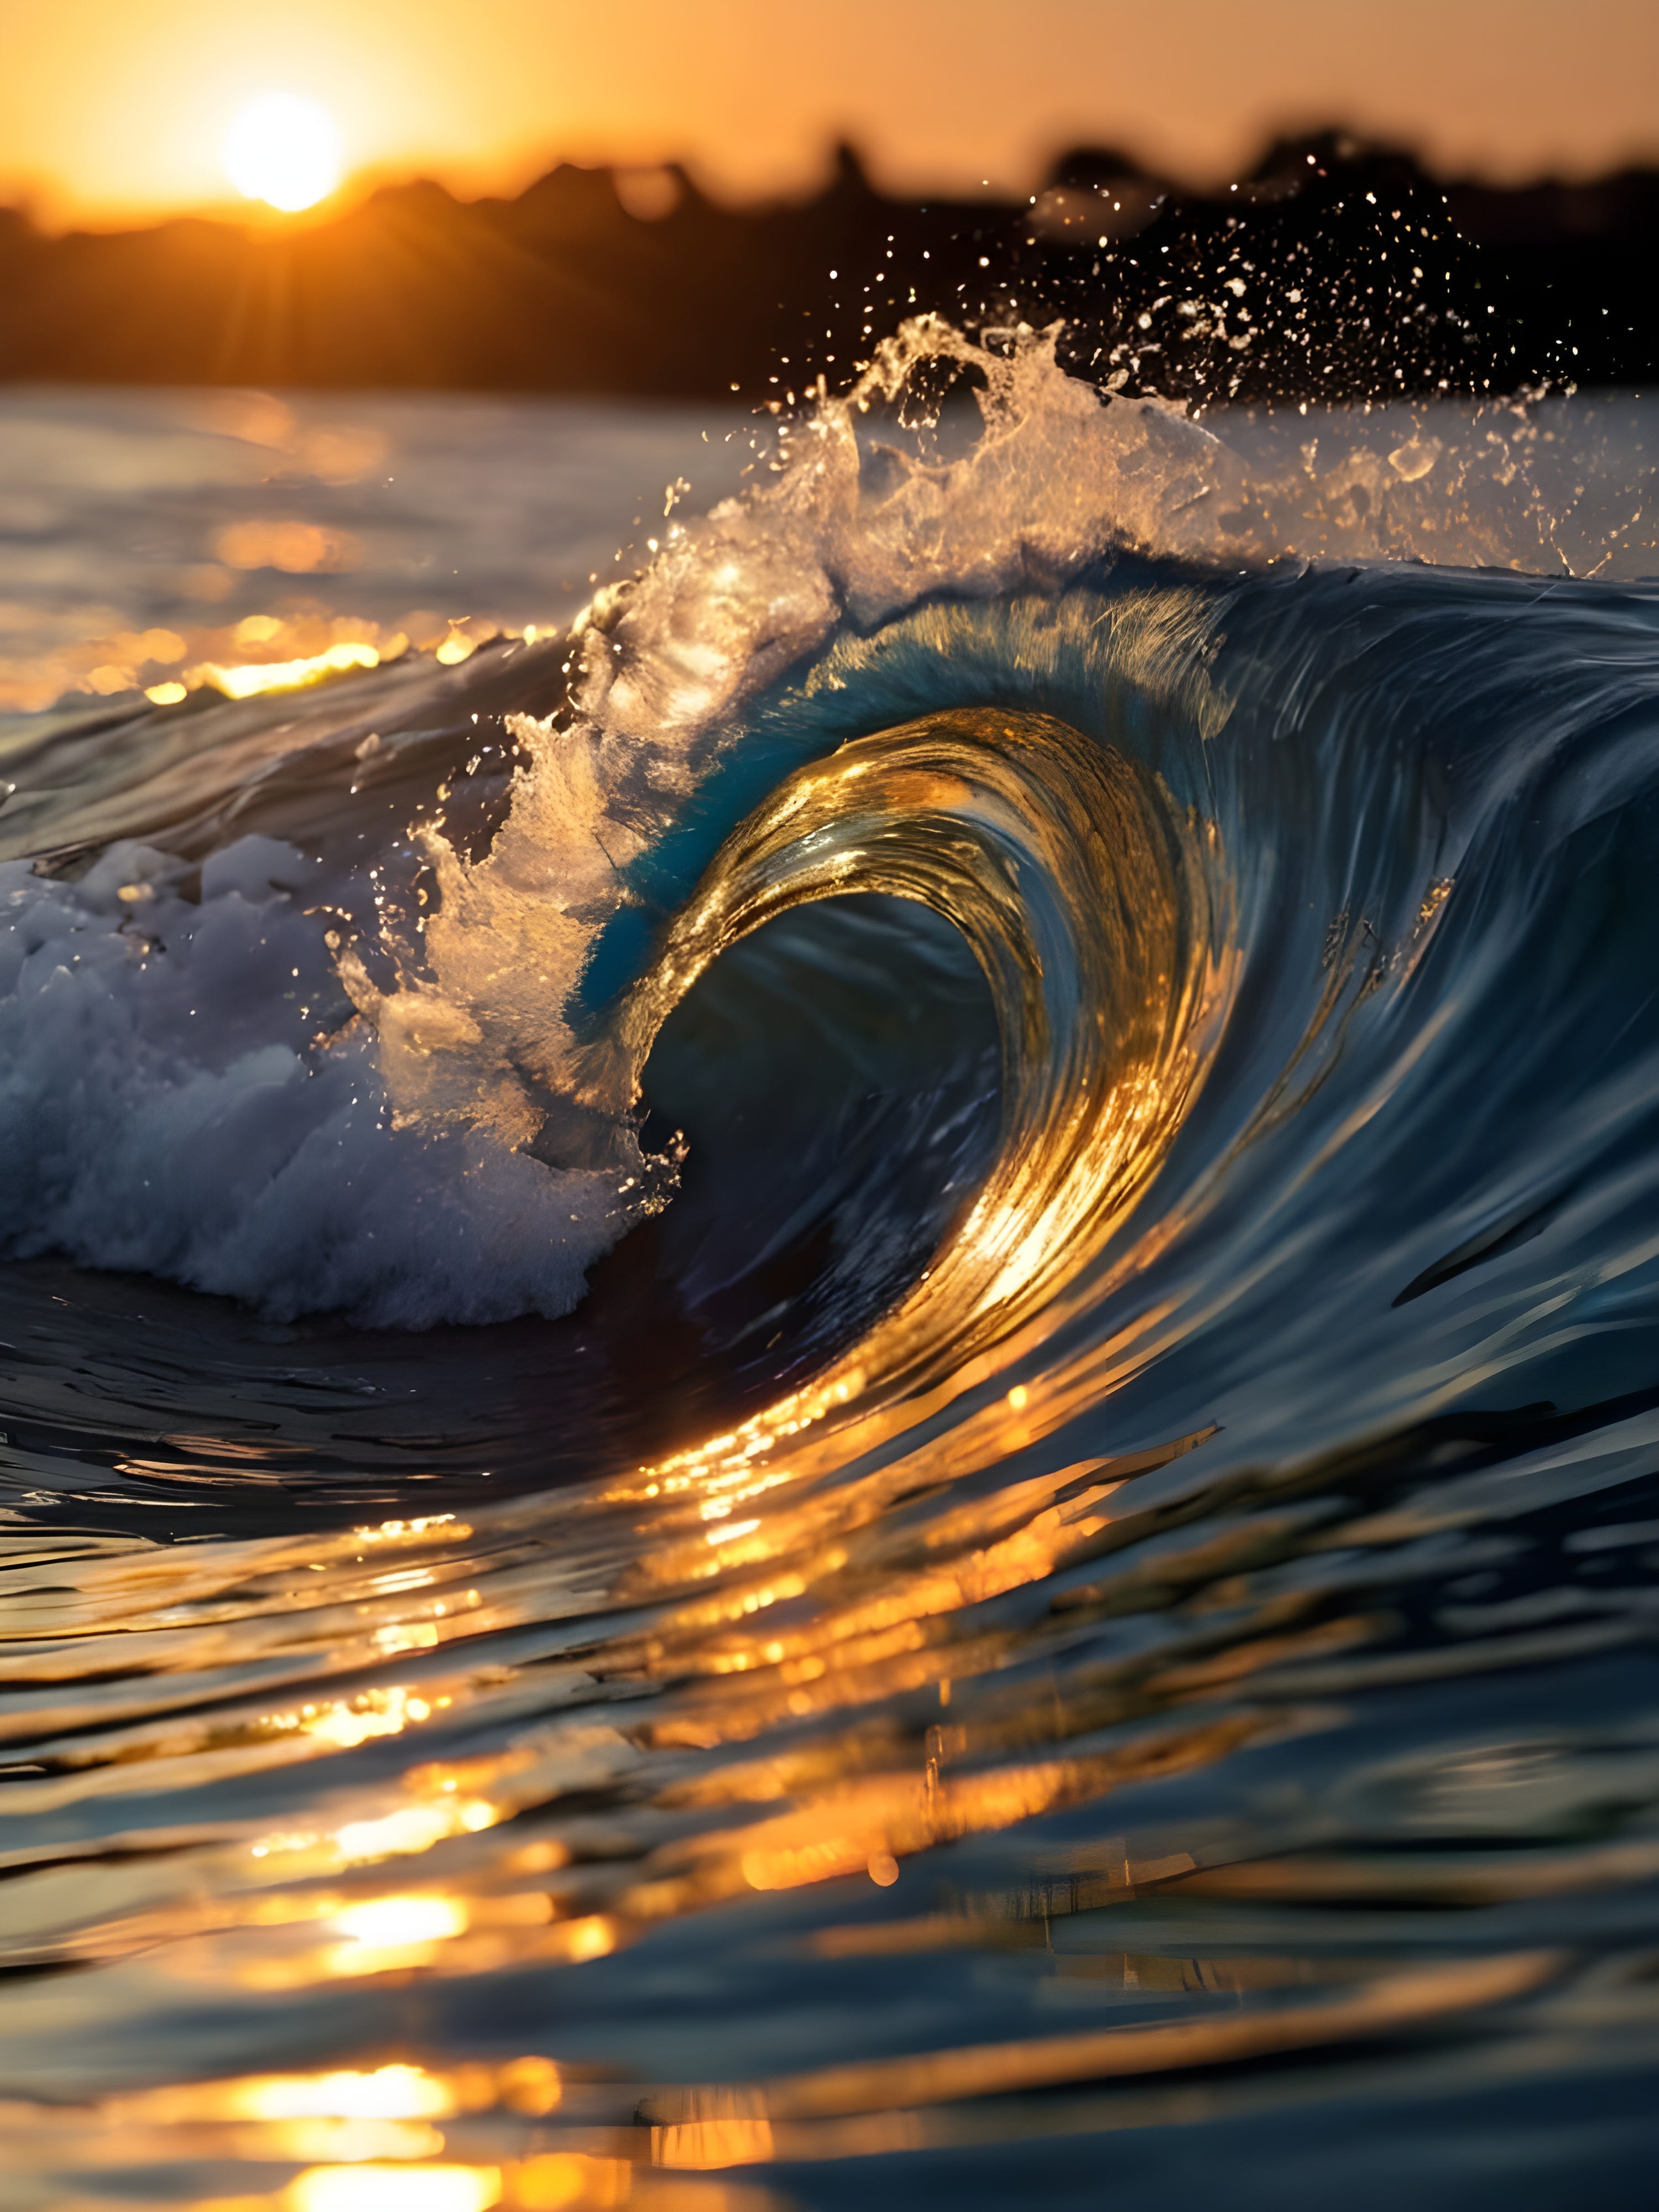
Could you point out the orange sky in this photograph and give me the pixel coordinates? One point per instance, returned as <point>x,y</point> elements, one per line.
<point>113,110</point>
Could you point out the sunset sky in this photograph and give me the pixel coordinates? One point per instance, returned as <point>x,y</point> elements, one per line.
<point>113,111</point>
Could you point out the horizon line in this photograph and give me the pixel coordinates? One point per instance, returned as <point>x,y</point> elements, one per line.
<point>839,153</point>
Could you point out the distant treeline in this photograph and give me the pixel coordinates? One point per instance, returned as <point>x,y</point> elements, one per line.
<point>1335,269</point>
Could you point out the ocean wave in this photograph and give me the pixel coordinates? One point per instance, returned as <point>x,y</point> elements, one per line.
<point>1104,542</point>
<point>1109,1022</point>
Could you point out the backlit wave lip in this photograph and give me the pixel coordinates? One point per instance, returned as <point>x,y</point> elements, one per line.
<point>1096,911</point>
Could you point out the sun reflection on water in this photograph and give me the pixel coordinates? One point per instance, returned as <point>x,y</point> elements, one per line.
<point>394,2188</point>
<point>258,654</point>
<point>364,2140</point>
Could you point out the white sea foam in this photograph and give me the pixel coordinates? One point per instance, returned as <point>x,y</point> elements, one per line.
<point>163,1109</point>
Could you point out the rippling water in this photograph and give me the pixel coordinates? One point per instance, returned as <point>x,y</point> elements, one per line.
<point>846,1394</point>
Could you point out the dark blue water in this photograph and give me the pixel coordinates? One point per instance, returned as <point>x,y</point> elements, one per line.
<point>1069,1619</point>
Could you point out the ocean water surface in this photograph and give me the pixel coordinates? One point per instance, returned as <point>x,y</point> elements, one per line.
<point>830,1296</point>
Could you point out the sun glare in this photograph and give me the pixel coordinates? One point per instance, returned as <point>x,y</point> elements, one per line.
<point>284,151</point>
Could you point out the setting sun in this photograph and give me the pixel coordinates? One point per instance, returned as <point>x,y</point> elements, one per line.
<point>284,151</point>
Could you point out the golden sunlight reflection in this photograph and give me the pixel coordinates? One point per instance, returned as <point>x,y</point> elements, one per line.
<point>394,2188</point>
<point>251,679</point>
<point>260,653</point>
<point>347,1722</point>
<point>399,1920</point>
<point>413,1829</point>
<point>284,151</point>
<point>530,2086</point>
<point>390,2093</point>
<point>366,2138</point>
<point>384,1935</point>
